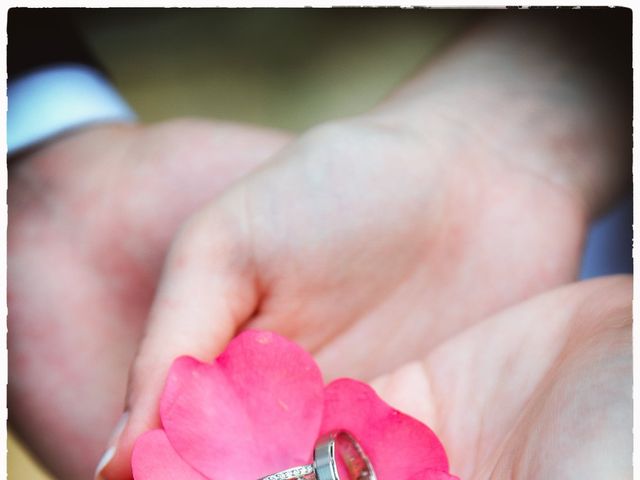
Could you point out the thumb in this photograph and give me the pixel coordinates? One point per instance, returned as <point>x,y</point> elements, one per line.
<point>206,293</point>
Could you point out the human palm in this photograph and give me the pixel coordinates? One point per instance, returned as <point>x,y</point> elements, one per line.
<point>363,243</point>
<point>373,248</point>
<point>91,217</point>
<point>367,249</point>
<point>541,390</point>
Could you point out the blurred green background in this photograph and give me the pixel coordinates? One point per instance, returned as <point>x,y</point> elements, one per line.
<point>277,67</point>
<point>284,68</point>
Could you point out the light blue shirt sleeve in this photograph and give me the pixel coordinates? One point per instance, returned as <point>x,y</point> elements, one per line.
<point>57,99</point>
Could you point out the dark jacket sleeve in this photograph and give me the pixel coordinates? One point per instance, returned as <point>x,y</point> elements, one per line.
<point>39,37</point>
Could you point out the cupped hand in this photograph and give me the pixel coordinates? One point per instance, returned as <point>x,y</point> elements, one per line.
<point>366,243</point>
<point>91,217</point>
<point>541,390</point>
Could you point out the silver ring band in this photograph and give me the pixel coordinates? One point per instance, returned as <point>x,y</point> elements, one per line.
<point>329,450</point>
<point>306,472</point>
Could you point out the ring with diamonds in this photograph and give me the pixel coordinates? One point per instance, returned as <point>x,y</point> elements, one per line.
<point>329,451</point>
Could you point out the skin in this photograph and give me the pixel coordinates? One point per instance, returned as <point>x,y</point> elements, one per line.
<point>541,390</point>
<point>372,240</point>
<point>404,226</point>
<point>91,217</point>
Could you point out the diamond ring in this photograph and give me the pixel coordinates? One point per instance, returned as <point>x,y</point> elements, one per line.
<point>335,453</point>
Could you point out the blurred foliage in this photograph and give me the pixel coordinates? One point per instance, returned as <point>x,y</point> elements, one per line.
<point>286,68</point>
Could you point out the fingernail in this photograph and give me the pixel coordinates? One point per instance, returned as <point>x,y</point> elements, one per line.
<point>104,461</point>
<point>111,446</point>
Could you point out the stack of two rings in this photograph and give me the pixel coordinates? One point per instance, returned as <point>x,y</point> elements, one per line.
<point>329,450</point>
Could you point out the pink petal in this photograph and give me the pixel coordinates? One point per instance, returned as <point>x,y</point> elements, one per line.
<point>256,410</point>
<point>155,459</point>
<point>398,446</point>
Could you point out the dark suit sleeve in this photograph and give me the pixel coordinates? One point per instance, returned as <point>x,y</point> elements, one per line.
<point>40,37</point>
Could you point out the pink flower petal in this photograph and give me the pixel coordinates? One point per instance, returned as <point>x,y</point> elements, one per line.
<point>155,459</point>
<point>398,446</point>
<point>254,411</point>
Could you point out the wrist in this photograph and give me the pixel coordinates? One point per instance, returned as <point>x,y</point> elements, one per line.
<point>572,151</point>
<point>530,93</point>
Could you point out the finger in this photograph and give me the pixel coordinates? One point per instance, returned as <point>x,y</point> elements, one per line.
<point>206,293</point>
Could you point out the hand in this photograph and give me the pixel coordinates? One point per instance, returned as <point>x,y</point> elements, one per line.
<point>539,391</point>
<point>365,244</point>
<point>372,240</point>
<point>91,217</point>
